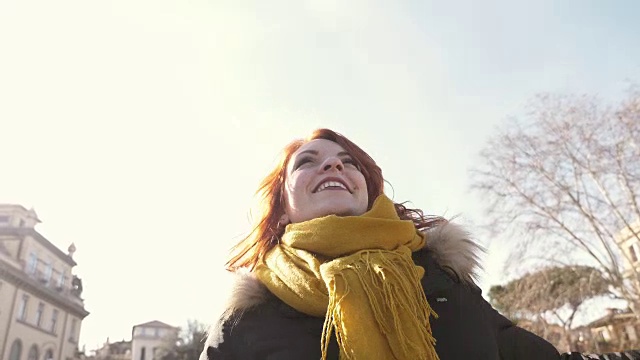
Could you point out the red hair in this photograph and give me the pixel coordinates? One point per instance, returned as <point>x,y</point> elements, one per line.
<point>267,231</point>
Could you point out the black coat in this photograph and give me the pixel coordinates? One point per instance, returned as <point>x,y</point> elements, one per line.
<point>467,326</point>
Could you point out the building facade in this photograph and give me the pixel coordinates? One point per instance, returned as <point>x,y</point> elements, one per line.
<point>615,331</point>
<point>119,350</point>
<point>629,241</point>
<point>151,340</point>
<point>41,309</point>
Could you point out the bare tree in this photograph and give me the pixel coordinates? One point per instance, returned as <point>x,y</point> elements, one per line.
<point>565,180</point>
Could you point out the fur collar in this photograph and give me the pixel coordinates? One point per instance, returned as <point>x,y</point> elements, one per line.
<point>449,244</point>
<point>453,248</point>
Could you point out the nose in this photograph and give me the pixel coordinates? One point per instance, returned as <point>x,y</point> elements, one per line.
<point>332,163</point>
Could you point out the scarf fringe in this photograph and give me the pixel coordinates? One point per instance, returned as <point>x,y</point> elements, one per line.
<point>391,284</point>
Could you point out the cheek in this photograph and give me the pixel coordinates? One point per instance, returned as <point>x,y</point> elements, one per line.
<point>362,183</point>
<point>293,186</point>
<point>287,193</point>
<point>301,180</point>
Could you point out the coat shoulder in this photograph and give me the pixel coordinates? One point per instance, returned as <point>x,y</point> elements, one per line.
<point>245,293</point>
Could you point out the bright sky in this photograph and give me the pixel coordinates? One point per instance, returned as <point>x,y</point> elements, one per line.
<point>139,129</point>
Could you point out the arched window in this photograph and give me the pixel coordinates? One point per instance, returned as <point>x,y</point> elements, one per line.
<point>33,353</point>
<point>48,355</point>
<point>16,350</point>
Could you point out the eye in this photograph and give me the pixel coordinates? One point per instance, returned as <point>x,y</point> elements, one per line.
<point>301,161</point>
<point>349,161</point>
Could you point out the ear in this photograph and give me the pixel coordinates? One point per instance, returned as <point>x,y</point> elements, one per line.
<point>284,220</point>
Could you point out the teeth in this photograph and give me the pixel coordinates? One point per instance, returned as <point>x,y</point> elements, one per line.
<point>331,184</point>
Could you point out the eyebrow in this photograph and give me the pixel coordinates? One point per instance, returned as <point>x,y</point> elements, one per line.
<point>315,152</point>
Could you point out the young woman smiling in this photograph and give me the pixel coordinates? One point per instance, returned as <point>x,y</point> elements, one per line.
<point>334,269</point>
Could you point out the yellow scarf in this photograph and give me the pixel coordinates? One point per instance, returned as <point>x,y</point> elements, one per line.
<point>357,272</point>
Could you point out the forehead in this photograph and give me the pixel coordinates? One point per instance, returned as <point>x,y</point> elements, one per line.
<point>319,146</point>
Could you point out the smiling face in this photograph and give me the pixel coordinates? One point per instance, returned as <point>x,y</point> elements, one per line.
<point>323,179</point>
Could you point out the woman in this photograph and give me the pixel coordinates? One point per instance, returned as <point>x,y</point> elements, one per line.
<point>334,269</point>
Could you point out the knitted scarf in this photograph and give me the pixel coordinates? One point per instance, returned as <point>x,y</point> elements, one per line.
<point>357,273</point>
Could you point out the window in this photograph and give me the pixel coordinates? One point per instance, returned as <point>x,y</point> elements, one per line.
<point>21,224</point>
<point>16,350</point>
<point>4,220</point>
<point>33,353</point>
<point>72,333</point>
<point>39,314</point>
<point>54,321</point>
<point>48,355</point>
<point>60,280</point>
<point>143,353</point>
<point>48,271</point>
<point>22,308</point>
<point>632,253</point>
<point>32,264</point>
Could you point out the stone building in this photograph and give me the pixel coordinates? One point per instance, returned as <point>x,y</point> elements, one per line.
<point>41,308</point>
<point>629,241</point>
<point>119,350</point>
<point>152,339</point>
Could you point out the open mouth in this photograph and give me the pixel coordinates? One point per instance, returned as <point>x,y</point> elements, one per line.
<point>331,185</point>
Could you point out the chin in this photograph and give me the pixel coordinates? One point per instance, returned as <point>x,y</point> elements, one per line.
<point>340,211</point>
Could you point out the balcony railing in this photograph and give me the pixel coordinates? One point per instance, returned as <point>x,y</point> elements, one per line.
<point>69,291</point>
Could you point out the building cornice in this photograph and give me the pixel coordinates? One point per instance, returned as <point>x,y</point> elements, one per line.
<point>20,279</point>
<point>17,231</point>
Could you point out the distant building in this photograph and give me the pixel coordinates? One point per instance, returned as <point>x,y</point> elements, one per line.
<point>628,239</point>
<point>150,340</point>
<point>41,309</point>
<point>120,350</point>
<point>629,242</point>
<point>617,330</point>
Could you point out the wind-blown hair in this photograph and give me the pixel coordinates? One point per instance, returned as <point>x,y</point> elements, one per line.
<point>267,230</point>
